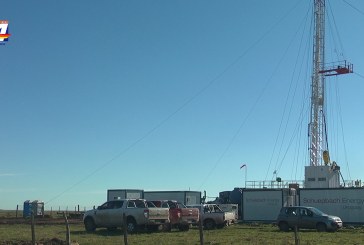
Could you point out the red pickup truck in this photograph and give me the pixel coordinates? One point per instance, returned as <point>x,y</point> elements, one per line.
<point>181,217</point>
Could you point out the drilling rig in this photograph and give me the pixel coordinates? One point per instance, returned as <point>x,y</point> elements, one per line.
<point>321,173</point>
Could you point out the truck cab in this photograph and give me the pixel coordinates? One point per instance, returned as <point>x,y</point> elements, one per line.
<point>180,216</point>
<point>213,217</point>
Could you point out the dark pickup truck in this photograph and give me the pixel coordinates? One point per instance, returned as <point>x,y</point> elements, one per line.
<point>180,216</point>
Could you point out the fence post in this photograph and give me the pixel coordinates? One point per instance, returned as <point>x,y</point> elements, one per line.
<point>17,208</point>
<point>201,231</point>
<point>32,227</point>
<point>125,228</point>
<point>296,236</point>
<point>68,236</point>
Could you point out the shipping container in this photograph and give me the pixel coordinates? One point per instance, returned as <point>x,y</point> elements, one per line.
<point>261,205</point>
<point>124,194</point>
<point>347,203</point>
<point>185,197</point>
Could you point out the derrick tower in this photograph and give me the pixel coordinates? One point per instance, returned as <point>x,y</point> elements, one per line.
<point>316,127</point>
<point>321,173</point>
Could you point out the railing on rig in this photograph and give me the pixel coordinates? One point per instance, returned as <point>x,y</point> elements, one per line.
<point>271,184</point>
<point>274,184</point>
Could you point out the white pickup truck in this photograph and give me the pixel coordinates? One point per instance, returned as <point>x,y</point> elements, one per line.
<point>212,216</point>
<point>137,212</point>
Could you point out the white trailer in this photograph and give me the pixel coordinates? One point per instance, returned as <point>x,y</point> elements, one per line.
<point>116,194</point>
<point>264,204</point>
<point>347,203</point>
<point>185,197</point>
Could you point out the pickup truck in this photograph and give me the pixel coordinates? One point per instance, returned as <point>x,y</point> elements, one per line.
<point>212,216</point>
<point>137,213</point>
<point>180,216</point>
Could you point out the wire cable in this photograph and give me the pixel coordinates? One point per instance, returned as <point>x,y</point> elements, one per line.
<point>359,11</point>
<point>359,75</point>
<point>245,119</point>
<point>287,99</point>
<point>341,51</point>
<point>180,108</point>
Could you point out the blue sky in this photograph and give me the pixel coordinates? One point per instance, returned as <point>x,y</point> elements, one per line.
<point>168,95</point>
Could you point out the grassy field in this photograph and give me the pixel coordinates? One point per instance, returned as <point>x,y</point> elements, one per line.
<point>236,234</point>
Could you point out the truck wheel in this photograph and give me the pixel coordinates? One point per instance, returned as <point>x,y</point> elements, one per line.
<point>111,228</point>
<point>209,224</point>
<point>183,227</point>
<point>167,227</point>
<point>220,226</point>
<point>89,224</point>
<point>155,228</point>
<point>131,225</point>
<point>283,226</point>
<point>321,227</point>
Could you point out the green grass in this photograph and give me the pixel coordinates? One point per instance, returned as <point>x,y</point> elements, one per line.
<point>236,234</point>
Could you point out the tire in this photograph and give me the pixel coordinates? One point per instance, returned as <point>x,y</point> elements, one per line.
<point>334,229</point>
<point>283,226</point>
<point>209,224</point>
<point>89,224</point>
<point>221,226</point>
<point>167,227</point>
<point>111,228</point>
<point>321,227</point>
<point>131,225</point>
<point>155,228</point>
<point>183,227</point>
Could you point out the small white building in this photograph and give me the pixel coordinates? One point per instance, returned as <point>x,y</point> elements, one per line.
<point>322,176</point>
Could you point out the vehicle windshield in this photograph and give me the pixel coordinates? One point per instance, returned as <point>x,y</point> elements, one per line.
<point>181,205</point>
<point>150,204</point>
<point>212,209</point>
<point>217,208</point>
<point>172,204</point>
<point>317,211</point>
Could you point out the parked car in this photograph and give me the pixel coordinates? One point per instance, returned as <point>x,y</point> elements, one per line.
<point>212,216</point>
<point>307,218</point>
<point>137,213</point>
<point>180,216</point>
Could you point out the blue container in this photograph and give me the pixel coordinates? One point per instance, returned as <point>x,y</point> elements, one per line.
<point>27,209</point>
